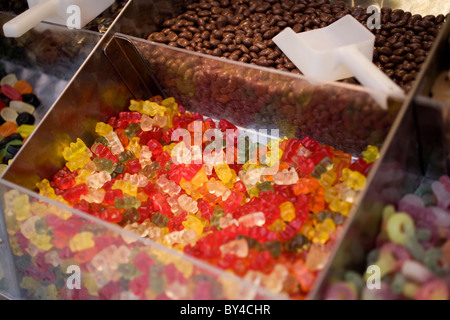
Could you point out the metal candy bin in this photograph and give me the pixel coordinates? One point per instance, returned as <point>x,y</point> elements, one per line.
<point>299,104</point>
<point>47,57</point>
<point>38,233</point>
<point>119,264</point>
<point>415,151</point>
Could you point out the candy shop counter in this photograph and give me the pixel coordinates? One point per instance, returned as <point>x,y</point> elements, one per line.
<point>46,244</point>
<point>44,60</point>
<point>117,263</point>
<point>36,68</point>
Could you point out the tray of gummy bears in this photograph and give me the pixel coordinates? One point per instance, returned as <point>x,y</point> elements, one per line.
<point>166,174</point>
<point>169,197</point>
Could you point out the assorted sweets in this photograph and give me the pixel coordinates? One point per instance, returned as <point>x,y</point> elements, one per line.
<point>268,212</point>
<point>243,31</point>
<point>412,251</point>
<point>17,105</point>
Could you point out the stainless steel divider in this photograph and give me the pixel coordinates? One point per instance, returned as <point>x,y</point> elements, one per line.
<point>415,150</point>
<point>131,68</point>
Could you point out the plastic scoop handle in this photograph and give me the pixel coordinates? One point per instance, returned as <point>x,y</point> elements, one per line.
<point>368,73</point>
<point>30,18</point>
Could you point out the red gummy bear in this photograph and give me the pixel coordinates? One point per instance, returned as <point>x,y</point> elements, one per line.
<point>130,117</point>
<point>154,146</point>
<point>134,166</point>
<point>103,151</point>
<point>73,194</point>
<point>64,179</point>
<point>160,204</point>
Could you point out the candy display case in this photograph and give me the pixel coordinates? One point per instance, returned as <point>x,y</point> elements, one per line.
<point>44,60</point>
<point>43,241</point>
<point>244,31</point>
<point>416,156</point>
<point>120,69</point>
<point>47,57</point>
<point>403,174</point>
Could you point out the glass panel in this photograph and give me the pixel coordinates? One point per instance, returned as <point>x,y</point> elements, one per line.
<point>64,254</point>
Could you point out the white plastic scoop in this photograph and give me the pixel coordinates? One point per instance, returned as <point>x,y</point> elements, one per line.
<point>341,50</point>
<point>55,11</point>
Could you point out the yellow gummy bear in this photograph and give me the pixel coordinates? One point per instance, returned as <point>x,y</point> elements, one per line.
<point>199,179</point>
<point>275,153</point>
<point>42,241</point>
<point>168,148</point>
<point>82,241</point>
<point>342,207</point>
<point>152,108</point>
<point>328,178</point>
<point>287,211</point>
<point>330,194</point>
<point>147,107</point>
<point>353,179</point>
<point>78,162</point>
<point>15,247</point>
<point>253,192</point>
<point>45,189</point>
<point>103,129</point>
<point>274,143</point>
<point>189,189</point>
<point>249,166</point>
<point>134,146</point>
<point>307,230</point>
<point>233,179</point>
<point>82,175</point>
<point>170,103</point>
<point>74,150</point>
<point>370,154</point>
<point>22,207</point>
<point>126,187</point>
<point>323,230</point>
<point>193,223</point>
<point>223,171</point>
<point>320,237</point>
<point>328,225</point>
